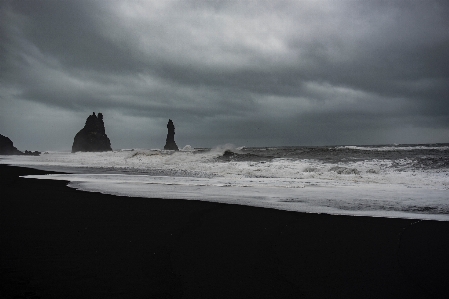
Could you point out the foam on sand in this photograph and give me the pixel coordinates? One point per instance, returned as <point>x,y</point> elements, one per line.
<point>376,187</point>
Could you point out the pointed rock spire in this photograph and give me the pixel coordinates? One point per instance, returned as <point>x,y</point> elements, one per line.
<point>170,143</point>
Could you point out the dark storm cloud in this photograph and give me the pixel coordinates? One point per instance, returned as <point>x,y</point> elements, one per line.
<point>67,31</point>
<point>248,72</point>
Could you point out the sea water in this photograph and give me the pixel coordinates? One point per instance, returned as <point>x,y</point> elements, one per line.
<point>398,181</point>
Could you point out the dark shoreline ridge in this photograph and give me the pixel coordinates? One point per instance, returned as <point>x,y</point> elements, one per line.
<point>7,148</point>
<point>58,242</point>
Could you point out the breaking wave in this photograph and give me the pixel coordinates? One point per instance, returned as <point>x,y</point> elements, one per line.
<point>408,183</point>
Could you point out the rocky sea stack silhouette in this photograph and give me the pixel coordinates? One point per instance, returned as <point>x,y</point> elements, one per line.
<point>170,143</point>
<point>7,147</point>
<point>92,138</point>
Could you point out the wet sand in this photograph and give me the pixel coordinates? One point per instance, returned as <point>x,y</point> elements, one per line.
<point>57,242</point>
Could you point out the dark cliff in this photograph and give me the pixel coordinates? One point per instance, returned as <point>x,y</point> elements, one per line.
<point>7,147</point>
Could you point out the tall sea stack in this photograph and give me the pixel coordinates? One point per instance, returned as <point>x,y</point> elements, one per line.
<point>92,138</point>
<point>170,143</point>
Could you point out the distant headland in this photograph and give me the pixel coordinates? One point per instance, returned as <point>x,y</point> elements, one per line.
<point>7,148</point>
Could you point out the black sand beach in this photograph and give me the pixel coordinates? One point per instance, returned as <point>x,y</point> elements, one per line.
<point>56,242</point>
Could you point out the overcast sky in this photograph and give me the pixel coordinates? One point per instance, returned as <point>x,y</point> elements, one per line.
<point>253,73</point>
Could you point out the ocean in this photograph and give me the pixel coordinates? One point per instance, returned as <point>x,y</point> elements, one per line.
<point>394,181</point>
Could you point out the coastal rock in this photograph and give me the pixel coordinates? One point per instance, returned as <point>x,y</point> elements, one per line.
<point>170,143</point>
<point>92,138</point>
<point>30,153</point>
<point>7,147</point>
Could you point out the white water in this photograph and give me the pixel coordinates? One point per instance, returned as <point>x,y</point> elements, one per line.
<point>369,188</point>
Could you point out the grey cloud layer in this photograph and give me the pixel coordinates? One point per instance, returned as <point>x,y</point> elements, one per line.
<point>262,72</point>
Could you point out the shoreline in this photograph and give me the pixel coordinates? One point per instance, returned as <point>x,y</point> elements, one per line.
<point>61,242</point>
<point>141,191</point>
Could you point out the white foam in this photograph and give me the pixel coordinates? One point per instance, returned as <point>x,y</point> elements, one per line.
<point>311,196</point>
<point>188,148</point>
<point>372,187</point>
<point>395,148</point>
